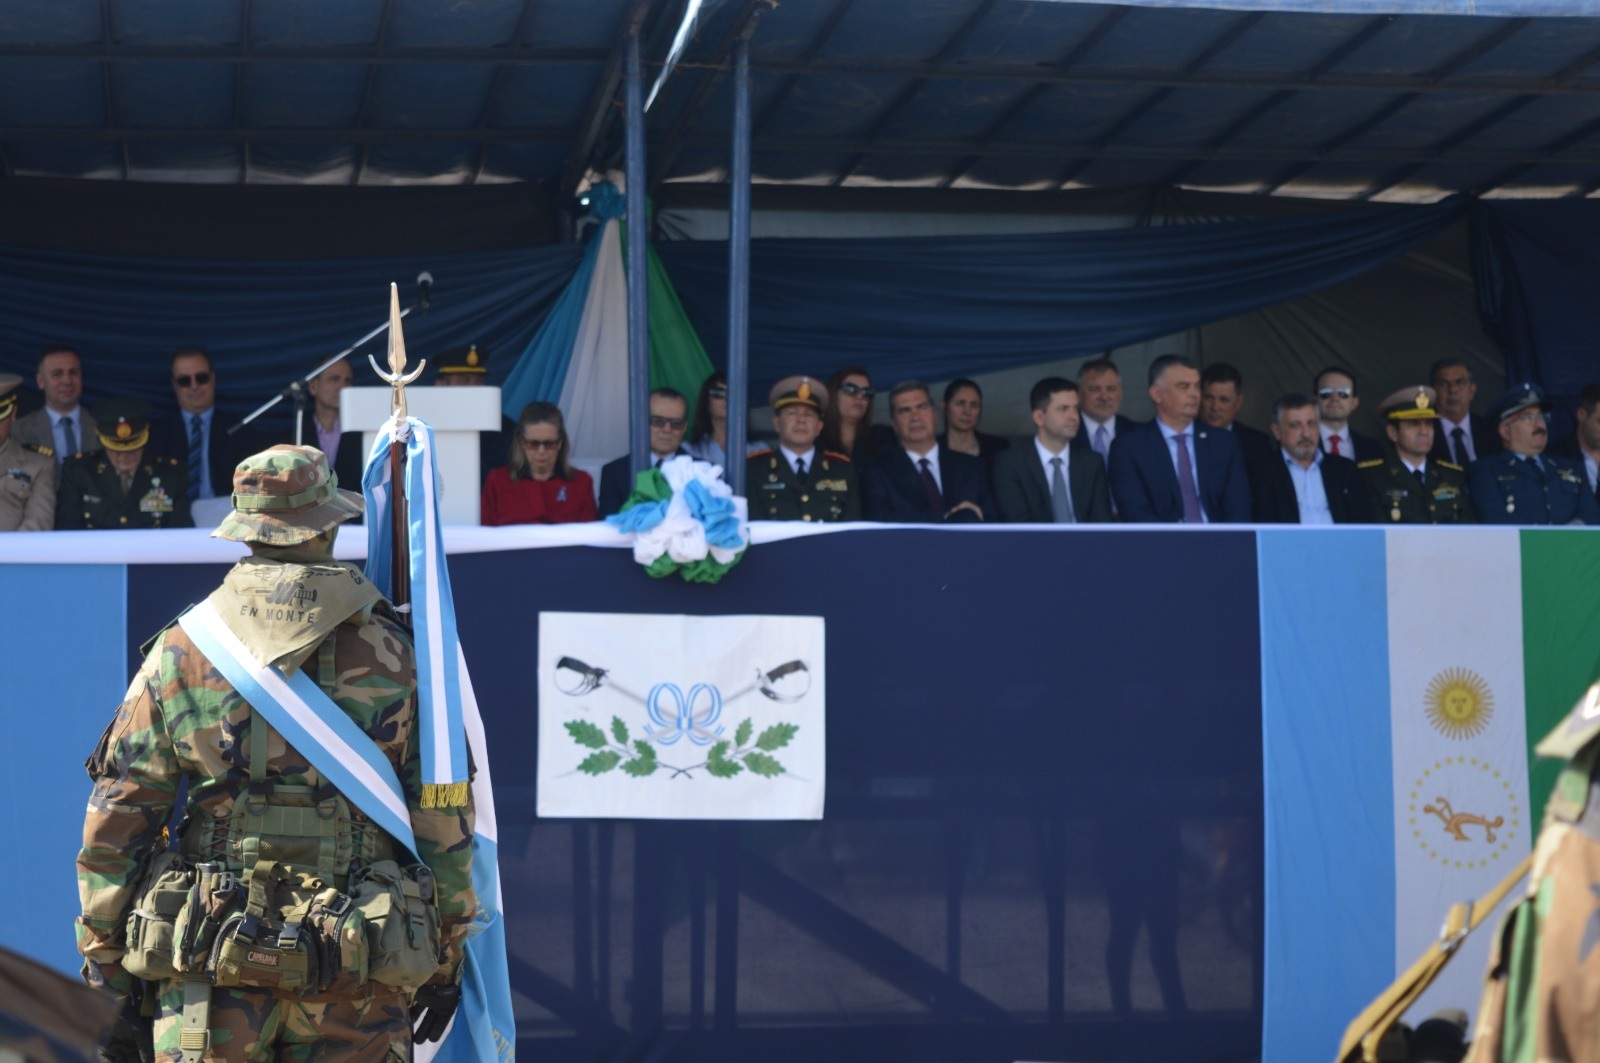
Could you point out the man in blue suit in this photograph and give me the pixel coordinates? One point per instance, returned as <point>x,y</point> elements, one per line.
<point>1174,470</point>
<point>1522,484</point>
<point>920,482</point>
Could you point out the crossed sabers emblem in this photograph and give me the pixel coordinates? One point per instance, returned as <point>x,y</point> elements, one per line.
<point>693,715</point>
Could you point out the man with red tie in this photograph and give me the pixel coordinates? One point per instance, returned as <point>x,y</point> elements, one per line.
<point>1335,392</point>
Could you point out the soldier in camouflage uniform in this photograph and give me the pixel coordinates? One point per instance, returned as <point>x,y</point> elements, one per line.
<point>1542,997</point>
<point>291,604</point>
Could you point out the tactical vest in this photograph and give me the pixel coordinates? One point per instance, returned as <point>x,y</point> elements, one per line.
<point>288,892</point>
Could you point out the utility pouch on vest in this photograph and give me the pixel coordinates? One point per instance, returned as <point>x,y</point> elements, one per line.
<point>152,925</point>
<point>214,893</point>
<point>401,919</point>
<point>269,945</point>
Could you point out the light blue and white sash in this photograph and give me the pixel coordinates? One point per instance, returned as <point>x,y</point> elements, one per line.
<point>309,721</point>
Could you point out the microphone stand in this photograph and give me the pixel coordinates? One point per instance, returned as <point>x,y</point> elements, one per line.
<point>296,391</point>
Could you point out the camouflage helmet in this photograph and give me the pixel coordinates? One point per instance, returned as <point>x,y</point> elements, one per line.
<point>284,496</point>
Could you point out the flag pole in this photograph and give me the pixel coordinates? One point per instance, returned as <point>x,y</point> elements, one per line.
<point>397,379</point>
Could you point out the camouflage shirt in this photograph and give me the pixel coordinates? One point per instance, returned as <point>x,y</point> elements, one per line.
<point>181,720</point>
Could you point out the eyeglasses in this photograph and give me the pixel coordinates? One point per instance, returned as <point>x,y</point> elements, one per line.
<point>199,380</point>
<point>1529,417</point>
<point>717,393</point>
<point>1328,393</point>
<point>542,444</point>
<point>848,388</point>
<point>674,423</point>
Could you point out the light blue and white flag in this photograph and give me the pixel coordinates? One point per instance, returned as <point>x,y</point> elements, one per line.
<point>484,1027</point>
<point>1404,686</point>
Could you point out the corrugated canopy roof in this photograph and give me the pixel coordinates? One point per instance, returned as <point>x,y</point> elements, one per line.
<point>1025,94</point>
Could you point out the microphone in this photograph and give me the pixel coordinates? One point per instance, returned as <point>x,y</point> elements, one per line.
<point>424,286</point>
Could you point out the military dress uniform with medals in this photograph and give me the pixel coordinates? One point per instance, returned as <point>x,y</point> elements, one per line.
<point>1439,496</point>
<point>1542,489</point>
<point>92,493</point>
<point>27,473</point>
<point>828,491</point>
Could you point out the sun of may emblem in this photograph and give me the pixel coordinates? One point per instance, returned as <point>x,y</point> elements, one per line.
<point>1459,703</point>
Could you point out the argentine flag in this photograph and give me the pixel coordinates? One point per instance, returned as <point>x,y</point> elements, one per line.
<point>1407,674</point>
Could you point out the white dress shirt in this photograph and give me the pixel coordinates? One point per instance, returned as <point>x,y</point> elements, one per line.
<point>1308,490</point>
<point>932,457</point>
<point>1447,428</point>
<point>1347,446</point>
<point>809,457</point>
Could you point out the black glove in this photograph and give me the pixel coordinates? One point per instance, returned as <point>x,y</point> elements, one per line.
<point>131,1038</point>
<point>431,1011</point>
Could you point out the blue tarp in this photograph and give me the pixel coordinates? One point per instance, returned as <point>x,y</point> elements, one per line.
<point>944,306</point>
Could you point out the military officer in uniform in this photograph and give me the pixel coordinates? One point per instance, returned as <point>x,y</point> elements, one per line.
<point>795,480</point>
<point>1407,486</point>
<point>1522,484</point>
<point>27,471</point>
<point>122,487</point>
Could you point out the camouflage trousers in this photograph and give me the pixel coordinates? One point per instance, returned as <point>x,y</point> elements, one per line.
<point>253,1026</point>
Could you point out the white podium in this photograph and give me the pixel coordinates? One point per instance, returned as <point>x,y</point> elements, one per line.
<point>456,416</point>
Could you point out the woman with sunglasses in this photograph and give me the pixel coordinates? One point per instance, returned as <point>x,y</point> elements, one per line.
<point>847,426</point>
<point>539,486</point>
<point>708,441</point>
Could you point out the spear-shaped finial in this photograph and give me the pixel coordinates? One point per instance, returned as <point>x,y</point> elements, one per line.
<point>397,377</point>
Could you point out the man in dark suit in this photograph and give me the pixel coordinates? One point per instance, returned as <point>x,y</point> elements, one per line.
<point>323,430</point>
<point>1048,483</point>
<point>669,417</point>
<point>1173,470</point>
<point>921,482</point>
<point>1584,446</point>
<point>1461,437</point>
<point>1522,484</point>
<point>198,437</point>
<point>1221,399</point>
<point>1100,389</point>
<point>1335,392</point>
<point>1306,485</point>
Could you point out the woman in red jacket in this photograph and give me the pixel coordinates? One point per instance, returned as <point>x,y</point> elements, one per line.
<point>538,487</point>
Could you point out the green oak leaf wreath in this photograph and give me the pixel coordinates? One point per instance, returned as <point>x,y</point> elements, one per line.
<point>724,760</point>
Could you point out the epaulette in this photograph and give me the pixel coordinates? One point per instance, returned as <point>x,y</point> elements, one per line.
<point>1370,463</point>
<point>836,456</point>
<point>754,454</point>
<point>1449,465</point>
<point>39,448</point>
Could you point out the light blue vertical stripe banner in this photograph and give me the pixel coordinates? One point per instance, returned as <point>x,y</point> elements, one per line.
<point>56,705</point>
<point>1330,867</point>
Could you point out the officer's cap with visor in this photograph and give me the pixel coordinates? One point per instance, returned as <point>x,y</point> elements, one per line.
<point>284,496</point>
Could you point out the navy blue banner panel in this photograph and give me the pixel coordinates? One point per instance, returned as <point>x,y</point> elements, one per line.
<point>1043,824</point>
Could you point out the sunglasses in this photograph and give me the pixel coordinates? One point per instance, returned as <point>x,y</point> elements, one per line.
<point>199,380</point>
<point>717,393</point>
<point>542,444</point>
<point>674,423</point>
<point>1328,393</point>
<point>848,388</point>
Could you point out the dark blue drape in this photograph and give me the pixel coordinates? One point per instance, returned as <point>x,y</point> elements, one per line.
<point>264,322</point>
<point>941,307</point>
<point>1537,266</point>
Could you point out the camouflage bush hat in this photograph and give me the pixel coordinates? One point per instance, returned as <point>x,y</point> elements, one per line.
<point>284,496</point>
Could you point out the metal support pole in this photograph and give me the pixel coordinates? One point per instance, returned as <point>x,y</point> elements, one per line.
<point>739,266</point>
<point>638,246</point>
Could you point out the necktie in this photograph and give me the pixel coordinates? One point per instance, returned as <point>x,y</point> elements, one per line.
<point>800,469</point>
<point>1191,497</point>
<point>1102,445</point>
<point>1422,477</point>
<point>1458,440</point>
<point>69,436</point>
<point>1333,441</point>
<point>1537,466</point>
<point>1060,500</point>
<point>658,463</point>
<point>197,456</point>
<point>931,486</point>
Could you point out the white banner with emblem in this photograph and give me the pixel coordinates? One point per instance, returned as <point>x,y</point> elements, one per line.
<point>681,717</point>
